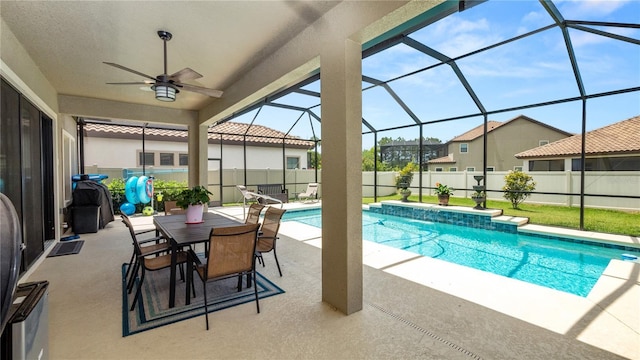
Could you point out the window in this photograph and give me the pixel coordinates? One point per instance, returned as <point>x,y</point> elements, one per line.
<point>183,159</point>
<point>293,162</point>
<point>546,165</point>
<point>626,163</point>
<point>453,168</point>
<point>464,148</point>
<point>491,168</point>
<point>146,158</point>
<point>471,168</point>
<point>166,159</point>
<point>69,163</point>
<point>543,142</point>
<point>438,169</point>
<point>517,168</point>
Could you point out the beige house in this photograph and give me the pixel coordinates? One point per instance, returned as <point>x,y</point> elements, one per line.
<point>615,147</point>
<point>504,139</point>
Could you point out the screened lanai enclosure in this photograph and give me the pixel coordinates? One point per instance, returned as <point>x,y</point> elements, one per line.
<point>548,88</point>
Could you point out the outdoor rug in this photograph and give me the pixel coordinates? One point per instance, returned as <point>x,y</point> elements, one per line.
<point>66,248</point>
<point>155,298</point>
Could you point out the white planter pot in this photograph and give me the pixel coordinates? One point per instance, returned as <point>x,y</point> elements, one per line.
<point>194,214</point>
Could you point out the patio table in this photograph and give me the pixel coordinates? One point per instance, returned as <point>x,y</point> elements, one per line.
<point>180,234</point>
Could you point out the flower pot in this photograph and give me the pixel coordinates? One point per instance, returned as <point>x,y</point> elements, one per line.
<point>405,193</point>
<point>194,214</point>
<point>443,200</point>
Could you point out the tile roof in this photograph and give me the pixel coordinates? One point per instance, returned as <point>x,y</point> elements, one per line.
<point>477,131</point>
<point>232,133</point>
<point>443,160</point>
<point>619,138</point>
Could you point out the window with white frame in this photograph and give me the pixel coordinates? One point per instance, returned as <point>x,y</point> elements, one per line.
<point>464,148</point>
<point>69,164</point>
<point>471,168</point>
<point>453,168</point>
<point>183,159</point>
<point>166,159</point>
<point>293,162</point>
<point>543,142</point>
<point>146,158</point>
<point>491,168</point>
<point>438,169</point>
<point>517,168</point>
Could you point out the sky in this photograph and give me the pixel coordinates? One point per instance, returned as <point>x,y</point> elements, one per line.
<point>532,70</point>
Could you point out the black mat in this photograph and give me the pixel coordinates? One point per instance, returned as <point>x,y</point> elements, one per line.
<point>66,248</point>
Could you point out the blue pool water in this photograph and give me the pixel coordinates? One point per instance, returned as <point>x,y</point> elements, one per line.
<point>560,265</point>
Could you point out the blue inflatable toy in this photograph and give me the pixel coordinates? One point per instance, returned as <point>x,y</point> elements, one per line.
<point>131,190</point>
<point>144,189</point>
<point>127,208</point>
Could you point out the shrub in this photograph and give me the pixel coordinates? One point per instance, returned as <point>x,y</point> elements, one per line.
<point>168,190</point>
<point>518,186</point>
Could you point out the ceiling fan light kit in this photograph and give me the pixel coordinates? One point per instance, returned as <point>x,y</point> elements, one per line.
<point>165,93</point>
<point>167,86</point>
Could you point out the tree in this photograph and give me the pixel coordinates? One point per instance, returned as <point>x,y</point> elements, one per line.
<point>518,186</point>
<point>367,161</point>
<point>314,162</point>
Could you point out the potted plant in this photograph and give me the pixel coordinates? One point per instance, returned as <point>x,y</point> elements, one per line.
<point>193,200</point>
<point>443,191</point>
<point>403,181</point>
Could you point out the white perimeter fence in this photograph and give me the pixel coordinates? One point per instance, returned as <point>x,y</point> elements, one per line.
<point>622,183</point>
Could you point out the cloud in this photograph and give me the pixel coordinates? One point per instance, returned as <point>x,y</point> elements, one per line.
<point>575,9</point>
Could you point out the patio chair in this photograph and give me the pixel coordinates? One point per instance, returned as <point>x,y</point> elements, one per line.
<point>172,208</point>
<point>310,193</point>
<point>231,254</point>
<point>253,215</point>
<point>253,196</point>
<point>269,234</point>
<point>148,260</point>
<point>159,243</point>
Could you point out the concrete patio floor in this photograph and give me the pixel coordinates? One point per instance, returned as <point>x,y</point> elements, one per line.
<point>414,307</point>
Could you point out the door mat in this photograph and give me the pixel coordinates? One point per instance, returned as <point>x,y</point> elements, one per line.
<point>66,248</point>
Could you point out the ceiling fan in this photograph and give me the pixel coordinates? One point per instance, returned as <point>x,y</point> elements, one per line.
<point>167,86</point>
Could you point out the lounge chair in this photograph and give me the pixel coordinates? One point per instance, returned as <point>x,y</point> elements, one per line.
<point>252,196</point>
<point>310,193</point>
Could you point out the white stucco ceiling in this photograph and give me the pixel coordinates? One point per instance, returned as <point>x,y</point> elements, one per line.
<point>222,40</point>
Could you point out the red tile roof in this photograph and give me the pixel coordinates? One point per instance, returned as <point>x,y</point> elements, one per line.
<point>477,131</point>
<point>620,138</point>
<point>443,160</point>
<point>232,133</point>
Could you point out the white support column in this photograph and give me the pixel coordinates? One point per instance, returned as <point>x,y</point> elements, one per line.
<point>341,79</point>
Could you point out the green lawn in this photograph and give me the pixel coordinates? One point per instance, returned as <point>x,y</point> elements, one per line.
<point>599,220</point>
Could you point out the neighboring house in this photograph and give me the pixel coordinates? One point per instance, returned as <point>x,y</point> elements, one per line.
<point>614,147</point>
<point>117,146</point>
<point>504,140</point>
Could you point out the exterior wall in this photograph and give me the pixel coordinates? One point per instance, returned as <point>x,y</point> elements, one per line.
<point>506,141</point>
<point>123,153</point>
<point>502,144</point>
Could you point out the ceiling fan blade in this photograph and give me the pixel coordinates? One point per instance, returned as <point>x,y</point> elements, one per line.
<point>200,90</point>
<point>132,83</point>
<point>184,75</point>
<point>129,70</point>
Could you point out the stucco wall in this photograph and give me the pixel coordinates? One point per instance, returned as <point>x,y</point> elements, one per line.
<point>123,153</point>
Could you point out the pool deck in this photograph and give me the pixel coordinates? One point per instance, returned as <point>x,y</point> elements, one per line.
<point>608,318</point>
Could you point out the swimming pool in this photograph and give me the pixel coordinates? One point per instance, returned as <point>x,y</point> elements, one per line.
<point>565,266</point>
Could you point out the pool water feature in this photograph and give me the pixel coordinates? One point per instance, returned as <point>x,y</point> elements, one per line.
<point>561,265</point>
